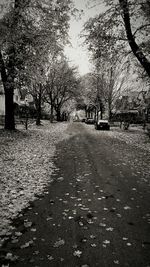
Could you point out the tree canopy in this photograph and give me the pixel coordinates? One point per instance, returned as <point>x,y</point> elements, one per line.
<point>123,27</point>
<point>62,84</point>
<point>30,32</point>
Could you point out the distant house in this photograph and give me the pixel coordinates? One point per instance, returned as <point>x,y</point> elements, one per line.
<point>90,111</point>
<point>136,102</point>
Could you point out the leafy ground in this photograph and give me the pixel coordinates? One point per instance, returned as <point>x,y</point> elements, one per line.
<point>25,168</point>
<point>135,136</point>
<point>97,200</point>
<point>26,164</point>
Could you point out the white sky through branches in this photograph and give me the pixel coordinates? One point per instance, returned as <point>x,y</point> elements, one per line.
<point>75,52</point>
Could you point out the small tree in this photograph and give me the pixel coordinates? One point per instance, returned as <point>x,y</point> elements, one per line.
<point>62,85</point>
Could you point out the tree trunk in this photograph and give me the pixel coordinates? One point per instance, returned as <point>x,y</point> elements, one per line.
<point>52,114</point>
<point>9,109</point>
<point>9,92</point>
<point>38,119</point>
<point>109,110</point>
<point>135,48</point>
<point>101,109</point>
<point>58,115</point>
<point>101,114</point>
<point>110,114</point>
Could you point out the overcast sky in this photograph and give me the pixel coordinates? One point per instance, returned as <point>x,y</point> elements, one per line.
<point>76,52</point>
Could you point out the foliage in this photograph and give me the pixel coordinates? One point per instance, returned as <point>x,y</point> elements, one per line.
<point>108,32</point>
<point>108,40</point>
<point>62,84</point>
<point>104,86</point>
<point>30,32</point>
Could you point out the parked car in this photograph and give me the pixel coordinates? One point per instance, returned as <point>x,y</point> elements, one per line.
<point>89,121</point>
<point>102,125</point>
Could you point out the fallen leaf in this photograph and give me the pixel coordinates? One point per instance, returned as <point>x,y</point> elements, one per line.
<point>9,256</point>
<point>93,245</point>
<point>27,244</point>
<point>109,229</point>
<point>102,224</point>
<point>50,258</point>
<point>127,208</point>
<point>129,244</point>
<point>36,252</point>
<point>116,262</point>
<point>77,253</point>
<point>59,243</point>
<point>33,229</point>
<point>106,242</point>
<point>18,234</point>
<point>27,224</point>
<point>60,179</point>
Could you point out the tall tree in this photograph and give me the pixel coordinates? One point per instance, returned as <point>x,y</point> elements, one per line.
<point>30,28</point>
<point>124,26</point>
<point>7,64</point>
<point>137,51</point>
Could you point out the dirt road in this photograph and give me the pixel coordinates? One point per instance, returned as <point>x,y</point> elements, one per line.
<point>96,212</point>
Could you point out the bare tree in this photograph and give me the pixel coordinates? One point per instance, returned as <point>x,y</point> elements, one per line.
<point>62,85</point>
